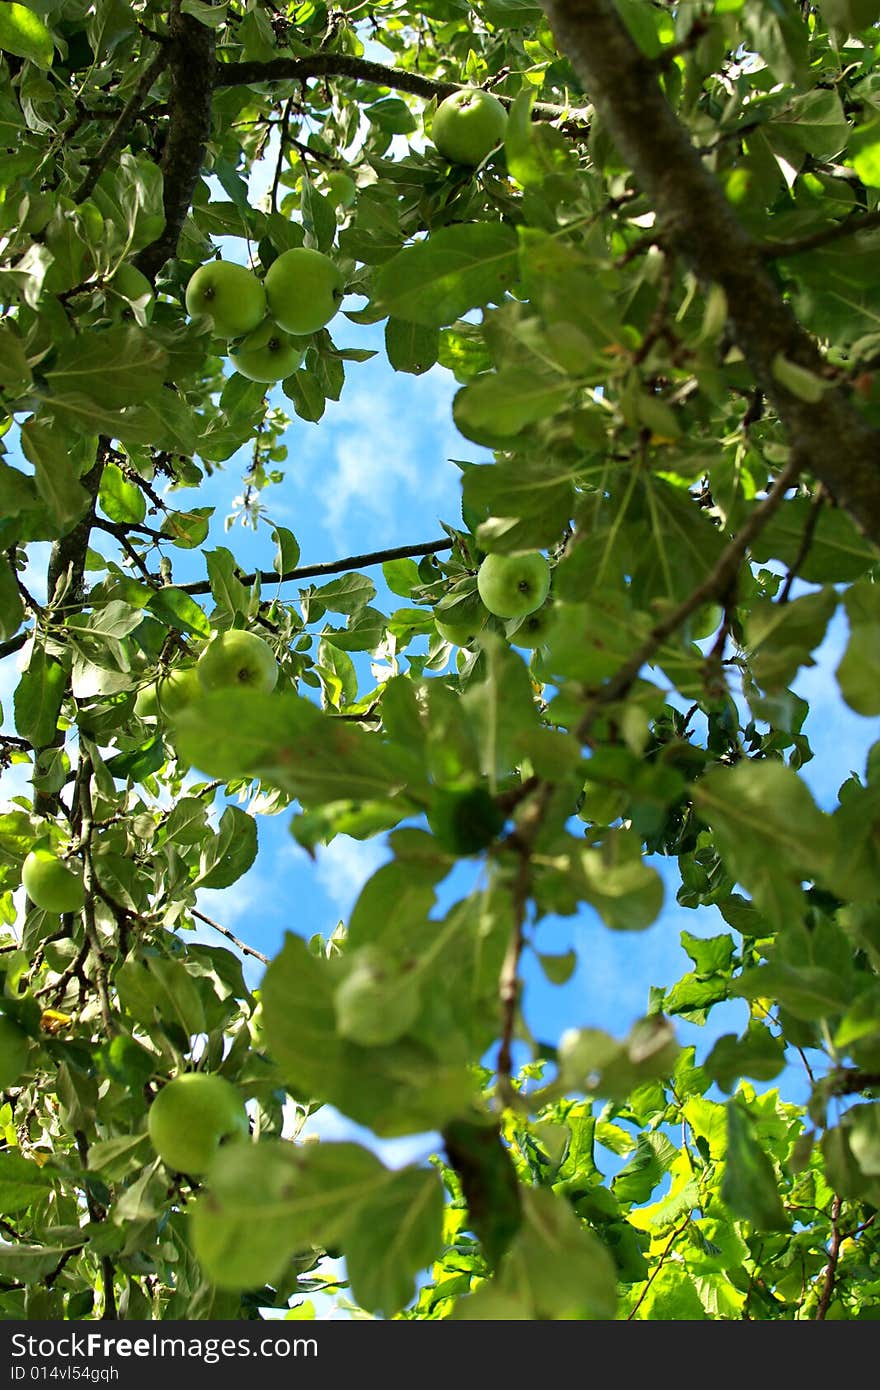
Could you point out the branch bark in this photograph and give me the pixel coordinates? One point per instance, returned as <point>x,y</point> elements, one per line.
<point>363,70</point>
<point>351,562</point>
<point>193,68</point>
<point>829,436</point>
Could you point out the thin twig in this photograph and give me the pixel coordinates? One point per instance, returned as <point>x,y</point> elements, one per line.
<point>127,117</point>
<point>230,936</point>
<point>820,497</point>
<point>833,1257</point>
<point>718,581</point>
<point>667,1249</point>
<point>850,227</point>
<point>352,562</point>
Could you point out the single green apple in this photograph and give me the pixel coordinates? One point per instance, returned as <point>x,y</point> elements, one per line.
<point>531,631</point>
<point>304,289</point>
<point>467,125</point>
<point>51,884</point>
<point>191,1117</point>
<point>231,294</point>
<point>459,634</point>
<point>240,659</point>
<point>14,1048</point>
<point>513,585</point>
<point>267,354</point>
<point>465,819</point>
<point>341,188</point>
<point>168,695</point>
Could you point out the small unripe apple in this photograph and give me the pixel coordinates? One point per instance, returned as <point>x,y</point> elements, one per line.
<point>341,188</point>
<point>530,631</point>
<point>465,819</point>
<point>513,585</point>
<point>190,1118</point>
<point>303,289</point>
<point>267,354</point>
<point>169,695</point>
<point>231,294</point>
<point>14,1048</point>
<point>51,884</point>
<point>467,125</point>
<point>238,659</point>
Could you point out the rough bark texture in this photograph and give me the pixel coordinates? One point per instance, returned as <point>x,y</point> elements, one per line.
<point>192,84</point>
<point>830,438</point>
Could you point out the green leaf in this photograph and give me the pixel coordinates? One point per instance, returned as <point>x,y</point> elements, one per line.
<point>749,1186</point>
<point>23,1182</point>
<point>23,32</point>
<point>500,404</point>
<point>179,611</point>
<point>11,607</point>
<point>796,839</point>
<point>268,1203</point>
<point>489,1183</point>
<point>121,500</point>
<point>115,368</point>
<point>837,552</point>
<point>555,1270</point>
<point>230,853</point>
<point>456,269</point>
<point>286,741</point>
<point>625,891</point>
<point>38,698</point>
<point>411,347</point>
<point>858,672</point>
<point>55,471</point>
<point>800,381</point>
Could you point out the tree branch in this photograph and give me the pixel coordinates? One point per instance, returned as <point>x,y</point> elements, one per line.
<point>230,936</point>
<point>833,1256</point>
<point>352,562</point>
<point>363,70</point>
<point>717,583</point>
<point>193,66</point>
<point>126,119</point>
<point>829,436</point>
<point>774,251</point>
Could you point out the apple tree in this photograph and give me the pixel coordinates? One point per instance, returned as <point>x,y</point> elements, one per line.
<point>645,257</point>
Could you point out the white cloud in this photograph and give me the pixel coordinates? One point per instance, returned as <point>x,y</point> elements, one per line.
<point>388,450</point>
<point>344,866</point>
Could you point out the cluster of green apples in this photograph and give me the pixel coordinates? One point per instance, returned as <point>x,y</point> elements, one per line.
<point>468,125</point>
<point>511,587</point>
<point>234,660</point>
<point>265,321</point>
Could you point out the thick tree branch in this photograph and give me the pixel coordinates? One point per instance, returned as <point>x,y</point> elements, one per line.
<point>829,436</point>
<point>833,1256</point>
<point>352,562</point>
<point>363,70</point>
<point>193,66</point>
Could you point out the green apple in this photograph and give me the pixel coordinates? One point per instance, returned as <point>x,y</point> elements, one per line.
<point>14,1048</point>
<point>304,289</point>
<point>341,188</point>
<point>467,125</point>
<point>513,585</point>
<point>531,631</point>
<point>238,659</point>
<point>459,634</point>
<point>231,294</point>
<point>169,694</point>
<point>267,354</point>
<point>51,884</point>
<point>191,1117</point>
<point>465,819</point>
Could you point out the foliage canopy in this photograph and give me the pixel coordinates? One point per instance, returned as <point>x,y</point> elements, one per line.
<point>658,299</point>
